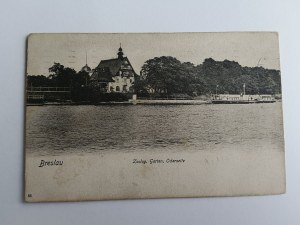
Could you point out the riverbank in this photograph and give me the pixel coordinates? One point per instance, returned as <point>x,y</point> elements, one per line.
<point>169,102</point>
<point>130,102</point>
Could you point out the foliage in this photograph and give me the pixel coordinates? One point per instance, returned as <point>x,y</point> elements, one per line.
<point>38,81</point>
<point>167,75</point>
<point>62,76</point>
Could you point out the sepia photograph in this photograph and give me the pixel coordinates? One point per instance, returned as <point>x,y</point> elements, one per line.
<point>153,115</point>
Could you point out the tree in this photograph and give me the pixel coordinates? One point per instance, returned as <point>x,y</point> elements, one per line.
<point>167,75</point>
<point>38,81</point>
<point>62,76</point>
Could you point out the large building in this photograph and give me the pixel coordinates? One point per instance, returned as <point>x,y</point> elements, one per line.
<point>114,75</point>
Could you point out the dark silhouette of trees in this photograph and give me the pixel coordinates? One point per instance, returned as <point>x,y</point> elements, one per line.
<point>166,76</point>
<point>38,81</point>
<point>62,76</point>
<point>169,75</point>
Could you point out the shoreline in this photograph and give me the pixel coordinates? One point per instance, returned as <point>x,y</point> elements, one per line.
<point>130,102</point>
<point>147,102</point>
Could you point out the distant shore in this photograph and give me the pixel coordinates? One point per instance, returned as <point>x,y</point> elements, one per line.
<point>151,102</point>
<point>130,102</point>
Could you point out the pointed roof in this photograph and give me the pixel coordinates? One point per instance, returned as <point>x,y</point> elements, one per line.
<point>106,70</point>
<point>110,67</point>
<point>113,65</point>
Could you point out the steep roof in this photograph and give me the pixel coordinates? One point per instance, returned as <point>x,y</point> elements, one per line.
<point>108,68</point>
<point>113,65</point>
<point>102,75</point>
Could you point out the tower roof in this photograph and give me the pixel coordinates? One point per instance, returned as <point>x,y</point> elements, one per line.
<point>120,53</point>
<point>86,68</point>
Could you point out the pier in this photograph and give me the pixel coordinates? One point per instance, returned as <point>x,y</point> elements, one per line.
<point>38,95</point>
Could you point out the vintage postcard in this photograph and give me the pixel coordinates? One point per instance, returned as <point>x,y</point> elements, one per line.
<point>153,115</point>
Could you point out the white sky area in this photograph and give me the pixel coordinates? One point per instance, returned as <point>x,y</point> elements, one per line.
<point>247,48</point>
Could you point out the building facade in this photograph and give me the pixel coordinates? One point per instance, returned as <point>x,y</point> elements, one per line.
<point>114,75</point>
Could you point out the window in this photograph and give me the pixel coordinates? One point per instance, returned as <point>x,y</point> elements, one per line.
<point>111,89</point>
<point>117,88</point>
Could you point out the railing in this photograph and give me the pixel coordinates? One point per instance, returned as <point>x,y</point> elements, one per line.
<point>48,89</point>
<point>35,96</point>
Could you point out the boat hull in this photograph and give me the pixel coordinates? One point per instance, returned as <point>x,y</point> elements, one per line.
<point>239,101</point>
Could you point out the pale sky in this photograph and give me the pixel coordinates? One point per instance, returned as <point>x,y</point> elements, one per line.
<point>246,48</point>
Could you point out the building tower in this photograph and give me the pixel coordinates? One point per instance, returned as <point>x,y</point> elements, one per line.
<point>86,68</point>
<point>120,53</point>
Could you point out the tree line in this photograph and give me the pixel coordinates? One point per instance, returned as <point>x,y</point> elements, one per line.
<point>166,76</point>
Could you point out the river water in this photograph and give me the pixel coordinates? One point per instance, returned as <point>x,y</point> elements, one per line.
<point>59,130</point>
